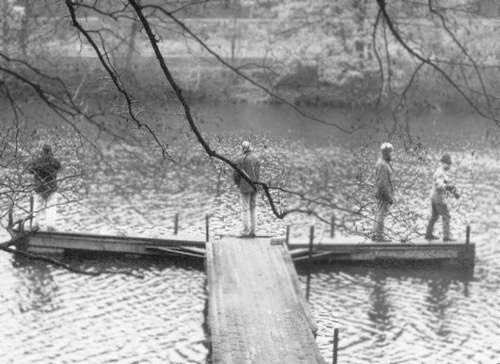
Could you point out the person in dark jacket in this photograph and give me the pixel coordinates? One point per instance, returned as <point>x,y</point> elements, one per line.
<point>441,188</point>
<point>384,191</point>
<point>44,169</point>
<point>249,164</point>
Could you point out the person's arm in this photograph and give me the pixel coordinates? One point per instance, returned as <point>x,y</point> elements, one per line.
<point>440,181</point>
<point>450,187</point>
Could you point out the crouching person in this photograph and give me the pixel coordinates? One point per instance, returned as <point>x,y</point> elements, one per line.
<point>442,187</point>
<point>44,169</point>
<point>249,164</point>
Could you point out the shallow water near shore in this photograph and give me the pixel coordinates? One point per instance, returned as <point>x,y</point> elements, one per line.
<point>413,314</point>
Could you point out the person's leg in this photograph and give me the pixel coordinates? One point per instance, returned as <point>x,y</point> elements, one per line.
<point>51,211</point>
<point>39,210</point>
<point>429,234</point>
<point>445,213</point>
<point>253,200</point>
<point>378,229</point>
<point>245,211</point>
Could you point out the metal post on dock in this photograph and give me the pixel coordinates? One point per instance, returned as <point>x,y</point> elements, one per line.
<point>207,227</point>
<point>287,237</point>
<point>176,223</point>
<point>335,345</point>
<point>332,226</point>
<point>32,204</point>
<point>311,242</point>
<point>467,234</point>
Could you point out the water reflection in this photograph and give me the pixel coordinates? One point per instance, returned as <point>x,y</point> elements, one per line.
<point>438,304</point>
<point>380,310</point>
<point>35,286</point>
<point>398,313</point>
<point>437,301</point>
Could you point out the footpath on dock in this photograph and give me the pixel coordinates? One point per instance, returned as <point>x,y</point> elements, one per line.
<point>257,312</point>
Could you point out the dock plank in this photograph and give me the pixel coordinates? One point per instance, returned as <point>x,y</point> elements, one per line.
<point>257,313</point>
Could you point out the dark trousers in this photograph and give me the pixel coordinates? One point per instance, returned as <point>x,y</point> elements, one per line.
<point>439,209</point>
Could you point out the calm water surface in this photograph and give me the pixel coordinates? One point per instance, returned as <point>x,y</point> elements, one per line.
<point>385,315</point>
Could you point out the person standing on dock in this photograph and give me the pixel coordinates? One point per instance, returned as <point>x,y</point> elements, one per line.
<point>44,170</point>
<point>384,191</point>
<point>249,164</point>
<point>441,188</point>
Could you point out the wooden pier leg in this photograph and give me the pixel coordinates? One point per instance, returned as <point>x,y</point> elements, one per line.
<point>207,227</point>
<point>335,345</point>
<point>176,223</point>
<point>467,234</point>
<point>332,227</point>
<point>32,204</point>
<point>287,237</point>
<point>311,241</point>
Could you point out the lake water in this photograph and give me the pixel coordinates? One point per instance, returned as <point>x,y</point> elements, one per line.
<point>385,315</point>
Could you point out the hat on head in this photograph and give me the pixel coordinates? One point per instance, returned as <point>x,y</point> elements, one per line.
<point>386,146</point>
<point>245,146</point>
<point>446,159</point>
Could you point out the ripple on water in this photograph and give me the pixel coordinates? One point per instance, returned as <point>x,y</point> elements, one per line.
<point>109,318</point>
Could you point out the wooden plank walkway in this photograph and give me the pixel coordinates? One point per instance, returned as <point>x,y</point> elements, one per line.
<point>257,312</point>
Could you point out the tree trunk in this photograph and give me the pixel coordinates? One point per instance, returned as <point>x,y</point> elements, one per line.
<point>4,16</point>
<point>134,29</point>
<point>24,31</point>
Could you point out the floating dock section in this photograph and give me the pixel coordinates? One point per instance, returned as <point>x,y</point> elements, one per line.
<point>340,249</point>
<point>360,250</point>
<point>59,242</point>
<point>257,312</point>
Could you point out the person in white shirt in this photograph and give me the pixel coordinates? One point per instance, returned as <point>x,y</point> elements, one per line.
<point>441,188</point>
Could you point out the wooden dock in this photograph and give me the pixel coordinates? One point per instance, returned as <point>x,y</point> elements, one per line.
<point>340,249</point>
<point>358,250</point>
<point>59,242</point>
<point>257,312</point>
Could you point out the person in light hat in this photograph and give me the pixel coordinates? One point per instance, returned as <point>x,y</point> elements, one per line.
<point>441,188</point>
<point>249,164</point>
<point>384,191</point>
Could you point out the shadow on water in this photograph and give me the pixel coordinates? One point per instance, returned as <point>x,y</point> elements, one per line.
<point>110,261</point>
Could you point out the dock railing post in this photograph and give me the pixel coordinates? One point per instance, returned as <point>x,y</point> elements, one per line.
<point>176,223</point>
<point>32,204</point>
<point>207,227</point>
<point>467,234</point>
<point>332,226</point>
<point>335,345</point>
<point>311,241</point>
<point>287,237</point>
